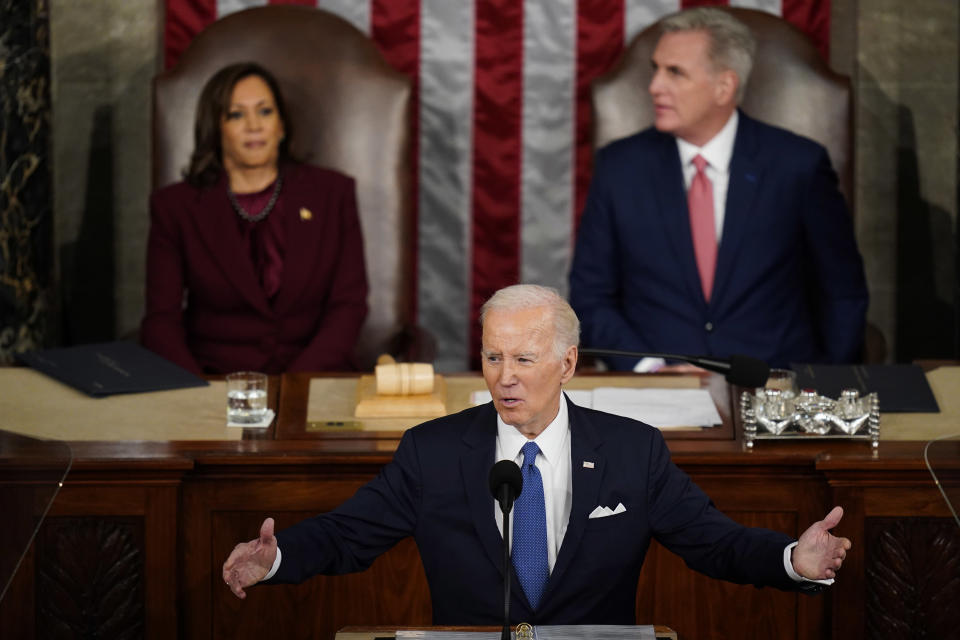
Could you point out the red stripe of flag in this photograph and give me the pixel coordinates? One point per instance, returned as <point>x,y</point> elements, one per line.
<point>183,21</point>
<point>599,44</point>
<point>813,18</point>
<point>497,116</point>
<point>395,27</point>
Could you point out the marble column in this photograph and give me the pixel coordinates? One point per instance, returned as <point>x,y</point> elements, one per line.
<point>908,62</point>
<point>25,198</point>
<point>103,56</point>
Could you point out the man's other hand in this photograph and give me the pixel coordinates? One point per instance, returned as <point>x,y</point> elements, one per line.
<point>819,554</point>
<point>250,561</point>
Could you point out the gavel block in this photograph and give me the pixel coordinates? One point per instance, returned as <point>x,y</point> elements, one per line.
<point>401,390</point>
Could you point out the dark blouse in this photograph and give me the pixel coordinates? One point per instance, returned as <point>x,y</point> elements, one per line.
<point>265,239</point>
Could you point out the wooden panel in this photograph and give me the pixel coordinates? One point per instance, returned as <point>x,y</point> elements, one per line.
<point>848,593</point>
<point>219,514</point>
<point>96,499</point>
<point>907,499</point>
<point>104,558</point>
<point>393,591</point>
<point>18,604</point>
<point>162,561</point>
<point>889,491</point>
<point>912,577</point>
<point>102,519</point>
<point>699,607</point>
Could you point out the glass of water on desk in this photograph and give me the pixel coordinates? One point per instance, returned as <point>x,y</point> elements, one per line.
<point>246,397</point>
<point>785,380</point>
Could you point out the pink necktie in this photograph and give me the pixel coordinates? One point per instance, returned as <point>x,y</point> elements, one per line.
<point>700,201</point>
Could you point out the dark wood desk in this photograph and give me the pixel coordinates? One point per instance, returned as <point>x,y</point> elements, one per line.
<point>295,392</point>
<point>143,528</point>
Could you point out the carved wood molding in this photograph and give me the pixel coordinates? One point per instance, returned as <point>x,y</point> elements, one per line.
<point>912,578</point>
<point>90,578</point>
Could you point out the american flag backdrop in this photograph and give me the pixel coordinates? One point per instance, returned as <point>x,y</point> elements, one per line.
<point>502,129</point>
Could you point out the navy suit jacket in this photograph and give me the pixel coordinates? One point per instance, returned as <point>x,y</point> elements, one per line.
<point>789,283</point>
<point>436,490</point>
<point>206,308</point>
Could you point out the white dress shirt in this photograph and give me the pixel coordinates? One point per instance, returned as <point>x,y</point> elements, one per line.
<point>717,152</point>
<point>553,462</point>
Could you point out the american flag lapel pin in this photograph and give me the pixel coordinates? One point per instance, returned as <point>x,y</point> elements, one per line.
<point>305,214</point>
<point>587,464</point>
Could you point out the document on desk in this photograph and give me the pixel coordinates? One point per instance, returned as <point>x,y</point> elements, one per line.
<point>110,368</point>
<point>559,632</point>
<point>661,408</point>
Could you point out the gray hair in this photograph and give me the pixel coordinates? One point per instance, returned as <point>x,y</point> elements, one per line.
<point>566,325</point>
<point>732,45</point>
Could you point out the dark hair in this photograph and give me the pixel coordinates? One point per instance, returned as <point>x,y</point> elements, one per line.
<point>206,162</point>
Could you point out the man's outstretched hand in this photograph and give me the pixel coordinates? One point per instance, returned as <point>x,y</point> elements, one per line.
<point>819,554</point>
<point>250,561</point>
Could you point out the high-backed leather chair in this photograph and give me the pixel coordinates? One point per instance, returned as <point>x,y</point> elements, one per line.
<point>349,110</point>
<point>790,86</point>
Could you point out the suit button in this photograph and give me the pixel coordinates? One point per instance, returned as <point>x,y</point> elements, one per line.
<point>708,326</point>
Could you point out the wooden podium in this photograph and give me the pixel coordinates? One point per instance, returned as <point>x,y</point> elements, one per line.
<point>370,633</point>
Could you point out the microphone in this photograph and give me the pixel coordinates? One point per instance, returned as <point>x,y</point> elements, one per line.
<point>506,483</point>
<point>739,370</point>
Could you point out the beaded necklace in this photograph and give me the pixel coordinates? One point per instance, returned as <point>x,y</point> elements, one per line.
<point>256,217</point>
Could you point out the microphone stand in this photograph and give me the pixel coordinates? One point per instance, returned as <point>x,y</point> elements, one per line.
<point>738,370</point>
<point>506,483</point>
<point>710,364</point>
<point>505,633</point>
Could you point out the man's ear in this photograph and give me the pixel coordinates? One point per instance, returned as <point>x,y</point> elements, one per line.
<point>569,363</point>
<point>726,87</point>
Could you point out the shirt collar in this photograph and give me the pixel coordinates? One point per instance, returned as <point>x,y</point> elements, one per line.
<point>718,150</point>
<point>551,440</point>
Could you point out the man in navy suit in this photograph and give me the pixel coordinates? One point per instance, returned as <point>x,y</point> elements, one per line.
<point>777,275</point>
<point>605,487</point>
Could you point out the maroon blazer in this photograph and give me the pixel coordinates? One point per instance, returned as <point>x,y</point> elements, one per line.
<point>206,308</point>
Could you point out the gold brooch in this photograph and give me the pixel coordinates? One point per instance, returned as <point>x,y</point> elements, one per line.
<point>305,214</point>
<point>524,631</point>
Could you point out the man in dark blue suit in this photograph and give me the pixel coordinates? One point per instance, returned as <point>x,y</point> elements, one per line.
<point>604,487</point>
<point>754,253</point>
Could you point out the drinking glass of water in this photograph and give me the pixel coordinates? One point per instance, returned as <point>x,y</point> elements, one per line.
<point>246,397</point>
<point>785,380</point>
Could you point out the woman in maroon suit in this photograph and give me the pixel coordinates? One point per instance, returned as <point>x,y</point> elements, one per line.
<point>255,261</point>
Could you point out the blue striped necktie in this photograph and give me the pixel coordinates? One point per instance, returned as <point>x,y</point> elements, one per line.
<point>530,530</point>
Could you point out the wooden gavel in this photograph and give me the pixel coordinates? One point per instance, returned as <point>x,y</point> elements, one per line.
<point>403,378</point>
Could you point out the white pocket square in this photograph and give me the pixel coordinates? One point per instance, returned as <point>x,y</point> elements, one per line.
<point>603,512</point>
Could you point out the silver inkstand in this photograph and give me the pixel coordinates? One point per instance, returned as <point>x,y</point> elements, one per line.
<point>779,412</point>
